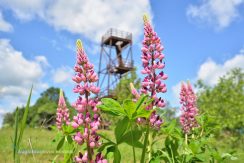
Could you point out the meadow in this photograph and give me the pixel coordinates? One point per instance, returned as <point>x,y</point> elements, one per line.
<point>39,141</point>
<point>209,127</point>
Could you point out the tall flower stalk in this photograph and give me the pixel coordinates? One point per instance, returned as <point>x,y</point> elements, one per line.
<point>87,120</point>
<point>62,114</point>
<point>153,65</point>
<point>189,109</point>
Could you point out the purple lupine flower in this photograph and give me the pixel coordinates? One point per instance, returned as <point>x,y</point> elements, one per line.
<point>62,114</point>
<point>189,108</point>
<point>152,61</point>
<point>87,120</point>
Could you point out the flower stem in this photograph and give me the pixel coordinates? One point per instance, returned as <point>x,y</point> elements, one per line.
<point>186,139</point>
<point>145,144</point>
<point>88,137</point>
<point>133,148</point>
<point>150,146</point>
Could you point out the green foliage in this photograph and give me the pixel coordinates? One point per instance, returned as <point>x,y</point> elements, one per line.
<point>197,147</point>
<point>129,109</point>
<point>225,101</point>
<point>42,113</point>
<point>125,130</point>
<point>64,141</point>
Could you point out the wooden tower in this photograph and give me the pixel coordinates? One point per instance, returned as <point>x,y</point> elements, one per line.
<point>115,60</point>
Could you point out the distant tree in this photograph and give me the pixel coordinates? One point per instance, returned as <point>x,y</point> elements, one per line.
<point>43,112</point>
<point>225,101</point>
<point>122,90</point>
<point>168,112</point>
<point>8,119</point>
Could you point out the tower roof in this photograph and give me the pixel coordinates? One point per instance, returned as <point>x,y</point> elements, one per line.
<point>114,36</point>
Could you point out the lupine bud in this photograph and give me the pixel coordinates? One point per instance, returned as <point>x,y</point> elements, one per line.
<point>62,115</point>
<point>189,108</point>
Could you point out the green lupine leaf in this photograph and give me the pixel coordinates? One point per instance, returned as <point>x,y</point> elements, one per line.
<point>141,101</point>
<point>127,138</point>
<point>143,113</point>
<point>117,155</point>
<point>61,143</point>
<point>69,139</point>
<point>120,129</point>
<point>129,107</point>
<point>111,106</point>
<point>105,137</point>
<point>103,146</point>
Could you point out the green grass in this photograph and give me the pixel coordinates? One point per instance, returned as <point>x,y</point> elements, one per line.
<point>42,145</point>
<point>44,148</point>
<point>40,140</point>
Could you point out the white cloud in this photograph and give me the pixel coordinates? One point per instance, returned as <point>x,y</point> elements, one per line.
<point>90,18</point>
<point>4,25</point>
<point>210,71</point>
<point>219,13</point>
<point>63,75</point>
<point>42,60</point>
<point>25,9</point>
<point>176,93</point>
<point>17,75</point>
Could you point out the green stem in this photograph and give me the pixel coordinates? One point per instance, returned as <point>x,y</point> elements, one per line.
<point>133,148</point>
<point>89,152</point>
<point>149,146</point>
<point>145,144</point>
<point>186,139</point>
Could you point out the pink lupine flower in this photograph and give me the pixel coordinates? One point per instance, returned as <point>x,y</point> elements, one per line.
<point>189,108</point>
<point>87,120</point>
<point>100,159</point>
<point>62,114</point>
<point>152,62</point>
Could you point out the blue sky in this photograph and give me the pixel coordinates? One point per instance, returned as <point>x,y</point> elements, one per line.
<point>203,40</point>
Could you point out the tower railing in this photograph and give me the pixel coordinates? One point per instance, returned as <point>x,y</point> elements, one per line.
<point>117,33</point>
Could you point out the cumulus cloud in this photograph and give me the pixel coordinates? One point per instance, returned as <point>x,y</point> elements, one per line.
<point>210,71</point>
<point>4,25</point>
<point>63,75</point>
<point>25,9</point>
<point>90,18</point>
<point>42,60</point>
<point>219,13</point>
<point>17,75</point>
<point>176,93</point>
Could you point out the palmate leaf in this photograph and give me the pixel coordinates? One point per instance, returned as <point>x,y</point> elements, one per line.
<point>129,107</point>
<point>104,145</point>
<point>117,155</point>
<point>120,129</point>
<point>143,113</point>
<point>111,106</point>
<point>61,143</point>
<point>127,138</point>
<point>143,102</point>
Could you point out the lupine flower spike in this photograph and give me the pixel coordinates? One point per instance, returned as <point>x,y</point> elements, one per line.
<point>62,115</point>
<point>153,64</point>
<point>87,120</point>
<point>189,108</point>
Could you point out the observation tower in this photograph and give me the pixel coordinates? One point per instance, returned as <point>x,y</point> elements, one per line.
<point>115,60</point>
